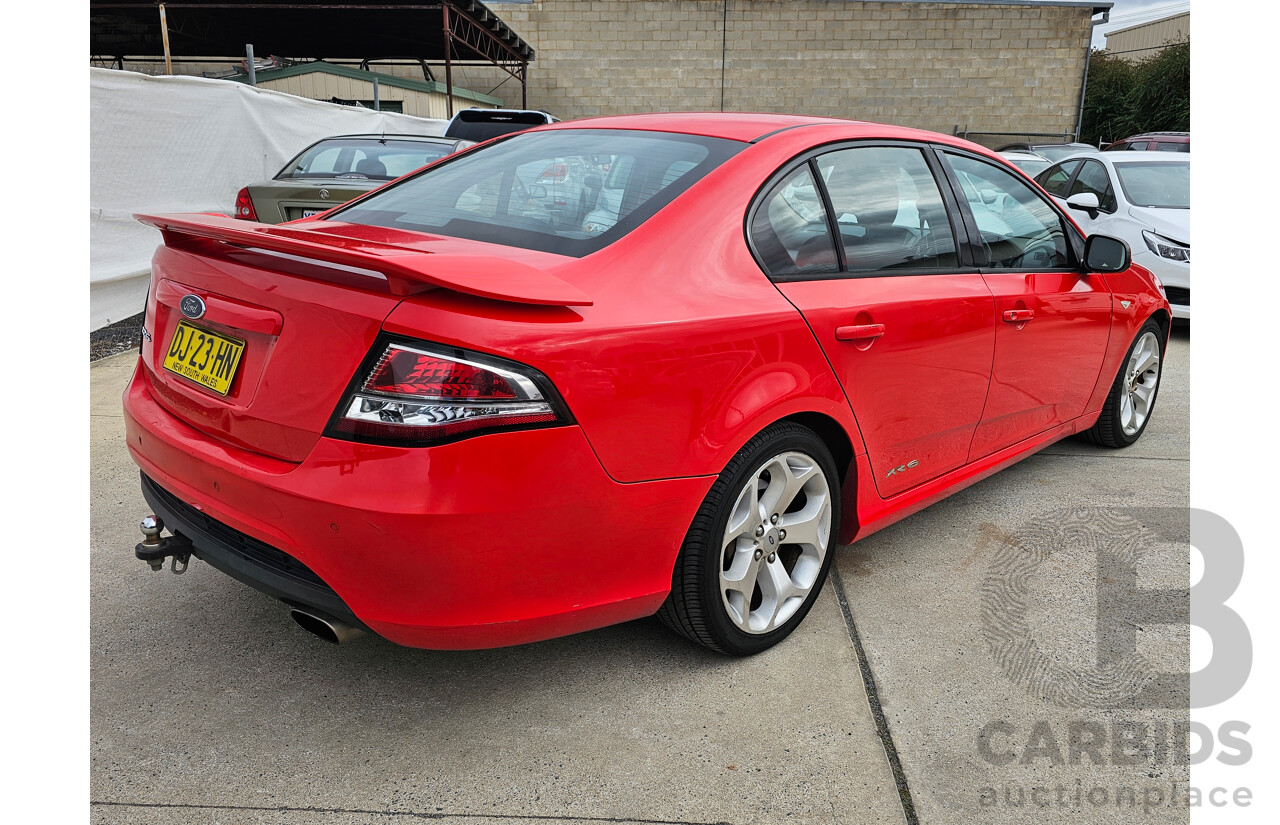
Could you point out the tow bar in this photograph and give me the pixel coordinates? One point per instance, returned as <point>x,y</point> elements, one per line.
<point>154,550</point>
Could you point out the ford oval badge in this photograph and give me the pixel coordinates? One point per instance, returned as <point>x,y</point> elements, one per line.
<point>192,306</point>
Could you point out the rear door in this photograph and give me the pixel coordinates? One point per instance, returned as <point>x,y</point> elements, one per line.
<point>1052,318</point>
<point>904,318</point>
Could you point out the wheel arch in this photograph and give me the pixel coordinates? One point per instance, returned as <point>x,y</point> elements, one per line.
<point>840,444</point>
<point>832,434</point>
<point>1164,320</point>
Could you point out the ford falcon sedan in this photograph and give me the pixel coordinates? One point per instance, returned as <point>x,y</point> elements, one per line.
<point>450,416</point>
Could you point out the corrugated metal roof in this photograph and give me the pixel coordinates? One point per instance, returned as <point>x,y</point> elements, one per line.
<point>1148,23</point>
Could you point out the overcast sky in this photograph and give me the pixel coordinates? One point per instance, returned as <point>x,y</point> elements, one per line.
<point>1128,13</point>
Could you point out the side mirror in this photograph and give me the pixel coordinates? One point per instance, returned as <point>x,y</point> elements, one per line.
<point>1086,201</point>
<point>536,191</point>
<point>1103,253</point>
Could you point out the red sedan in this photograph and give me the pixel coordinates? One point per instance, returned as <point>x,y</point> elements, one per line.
<point>473,409</point>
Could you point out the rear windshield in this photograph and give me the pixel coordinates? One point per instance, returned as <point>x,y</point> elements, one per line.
<point>568,191</point>
<point>1158,185</point>
<point>363,159</point>
<point>481,124</point>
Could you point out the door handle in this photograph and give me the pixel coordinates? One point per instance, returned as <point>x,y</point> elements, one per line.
<point>859,332</point>
<point>1018,316</point>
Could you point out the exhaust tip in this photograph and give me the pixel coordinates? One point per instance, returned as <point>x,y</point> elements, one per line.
<point>333,632</point>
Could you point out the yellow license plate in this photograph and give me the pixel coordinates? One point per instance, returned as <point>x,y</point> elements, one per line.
<point>204,357</point>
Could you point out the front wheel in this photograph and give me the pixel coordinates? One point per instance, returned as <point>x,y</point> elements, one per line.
<point>1133,395</point>
<point>758,550</point>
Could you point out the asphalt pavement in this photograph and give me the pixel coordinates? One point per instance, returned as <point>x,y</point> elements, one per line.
<point>982,626</point>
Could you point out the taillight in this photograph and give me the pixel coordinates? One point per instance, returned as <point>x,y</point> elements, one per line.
<point>555,172</point>
<point>244,206</point>
<point>415,393</point>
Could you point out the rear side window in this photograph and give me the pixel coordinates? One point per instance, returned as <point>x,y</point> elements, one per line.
<point>1138,146</point>
<point>888,209</point>
<point>1172,147</point>
<point>1018,229</point>
<point>790,232</point>
<point>568,191</point>
<point>1055,180</point>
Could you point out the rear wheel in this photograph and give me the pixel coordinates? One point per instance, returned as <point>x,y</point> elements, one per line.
<point>760,546</point>
<point>1133,395</point>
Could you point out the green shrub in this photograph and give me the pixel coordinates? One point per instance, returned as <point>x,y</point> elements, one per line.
<point>1125,98</point>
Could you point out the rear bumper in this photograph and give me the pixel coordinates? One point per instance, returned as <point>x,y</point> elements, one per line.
<point>242,557</point>
<point>496,540</point>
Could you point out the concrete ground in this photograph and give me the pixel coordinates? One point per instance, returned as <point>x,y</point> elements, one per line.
<point>209,705</point>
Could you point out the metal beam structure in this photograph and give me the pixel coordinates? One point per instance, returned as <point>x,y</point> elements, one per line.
<point>465,32</point>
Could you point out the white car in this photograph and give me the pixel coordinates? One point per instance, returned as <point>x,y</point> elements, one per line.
<point>1032,163</point>
<point>1142,197</point>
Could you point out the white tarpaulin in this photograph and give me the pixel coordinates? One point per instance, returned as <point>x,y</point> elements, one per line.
<point>188,144</point>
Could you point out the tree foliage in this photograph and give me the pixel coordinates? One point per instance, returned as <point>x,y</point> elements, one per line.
<point>1125,98</point>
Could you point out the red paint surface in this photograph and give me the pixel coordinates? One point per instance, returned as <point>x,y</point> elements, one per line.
<point>670,348</point>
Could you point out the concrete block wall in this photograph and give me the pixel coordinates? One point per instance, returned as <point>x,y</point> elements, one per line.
<point>1013,68</point>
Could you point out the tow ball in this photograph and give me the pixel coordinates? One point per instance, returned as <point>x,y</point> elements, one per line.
<point>154,550</point>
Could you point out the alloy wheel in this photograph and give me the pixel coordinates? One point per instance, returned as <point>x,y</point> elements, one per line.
<point>775,542</point>
<point>1138,391</point>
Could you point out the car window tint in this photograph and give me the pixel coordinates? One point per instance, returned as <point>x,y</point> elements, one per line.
<point>790,232</point>
<point>1140,146</point>
<point>1056,180</point>
<point>1018,229</point>
<point>888,209</point>
<point>1172,147</point>
<point>566,191</point>
<point>1093,178</point>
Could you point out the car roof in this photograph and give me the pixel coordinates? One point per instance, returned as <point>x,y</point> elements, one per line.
<point>1186,135</point>
<point>1147,157</point>
<point>1023,154</point>
<point>745,126</point>
<point>382,135</point>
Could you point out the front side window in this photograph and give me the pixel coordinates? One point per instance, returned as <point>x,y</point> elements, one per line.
<point>1018,229</point>
<point>567,191</point>
<point>1055,180</point>
<point>888,209</point>
<point>1093,179</point>
<point>790,232</point>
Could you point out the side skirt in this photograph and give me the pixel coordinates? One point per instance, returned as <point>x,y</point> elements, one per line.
<point>875,513</point>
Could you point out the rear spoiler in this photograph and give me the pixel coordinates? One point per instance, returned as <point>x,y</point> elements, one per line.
<point>407,271</point>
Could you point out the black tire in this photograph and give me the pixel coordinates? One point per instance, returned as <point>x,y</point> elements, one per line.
<point>695,606</point>
<point>1108,430</point>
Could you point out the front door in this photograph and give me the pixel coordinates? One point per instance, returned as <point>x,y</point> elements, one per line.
<point>1052,319</point>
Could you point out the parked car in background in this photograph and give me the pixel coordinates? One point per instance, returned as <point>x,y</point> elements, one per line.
<point>1154,142</point>
<point>478,125</point>
<point>1029,162</point>
<point>1143,198</point>
<point>1052,151</point>
<point>445,415</point>
<point>332,171</point>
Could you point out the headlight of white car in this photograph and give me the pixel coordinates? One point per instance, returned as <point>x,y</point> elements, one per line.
<point>1166,248</point>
